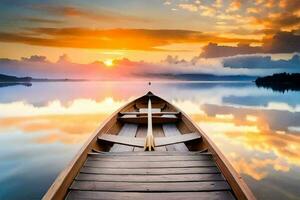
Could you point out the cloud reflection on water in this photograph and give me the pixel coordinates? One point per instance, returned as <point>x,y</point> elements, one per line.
<point>73,122</point>
<point>261,141</point>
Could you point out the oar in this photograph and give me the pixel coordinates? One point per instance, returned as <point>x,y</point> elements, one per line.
<point>149,142</point>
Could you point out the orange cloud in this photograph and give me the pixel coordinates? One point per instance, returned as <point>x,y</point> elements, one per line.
<point>40,20</point>
<point>234,6</point>
<point>281,42</point>
<point>100,15</point>
<point>131,39</point>
<point>189,7</point>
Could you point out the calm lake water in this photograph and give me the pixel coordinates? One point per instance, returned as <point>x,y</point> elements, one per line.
<point>43,126</point>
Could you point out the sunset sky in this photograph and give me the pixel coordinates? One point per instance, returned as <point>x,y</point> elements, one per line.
<point>159,35</point>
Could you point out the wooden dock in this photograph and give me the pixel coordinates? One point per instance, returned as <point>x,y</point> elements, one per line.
<point>150,175</point>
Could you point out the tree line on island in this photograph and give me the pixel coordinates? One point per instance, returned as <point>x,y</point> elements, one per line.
<point>280,82</point>
<point>27,79</point>
<point>8,80</point>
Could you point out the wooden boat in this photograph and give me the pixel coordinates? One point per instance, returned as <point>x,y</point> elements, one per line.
<point>149,149</point>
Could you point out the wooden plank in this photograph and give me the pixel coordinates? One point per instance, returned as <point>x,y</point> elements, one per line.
<point>158,132</point>
<point>151,171</point>
<point>128,130</point>
<point>170,164</point>
<point>172,130</point>
<point>145,113</point>
<point>123,140</point>
<point>149,158</point>
<point>93,195</point>
<point>141,133</point>
<point>151,153</point>
<point>139,142</point>
<point>145,110</point>
<point>150,178</point>
<point>144,119</point>
<point>150,187</point>
<point>163,141</point>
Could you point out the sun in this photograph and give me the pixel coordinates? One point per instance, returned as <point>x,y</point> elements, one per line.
<point>109,62</point>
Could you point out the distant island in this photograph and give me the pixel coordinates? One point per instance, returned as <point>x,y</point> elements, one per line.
<point>14,79</point>
<point>280,82</point>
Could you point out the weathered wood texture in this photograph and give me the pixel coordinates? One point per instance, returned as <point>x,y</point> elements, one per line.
<point>150,186</point>
<point>158,132</point>
<point>144,119</point>
<point>163,158</point>
<point>150,178</point>
<point>150,175</point>
<point>152,171</point>
<point>145,113</point>
<point>152,153</point>
<point>171,130</point>
<point>140,142</point>
<point>123,140</point>
<point>132,165</point>
<point>93,195</point>
<point>141,133</point>
<point>128,130</point>
<point>170,140</point>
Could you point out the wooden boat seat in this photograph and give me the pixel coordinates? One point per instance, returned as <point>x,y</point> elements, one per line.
<point>144,119</point>
<point>145,114</point>
<point>140,142</point>
<point>143,105</point>
<point>145,110</point>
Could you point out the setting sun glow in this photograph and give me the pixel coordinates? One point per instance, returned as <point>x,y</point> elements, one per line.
<point>109,62</point>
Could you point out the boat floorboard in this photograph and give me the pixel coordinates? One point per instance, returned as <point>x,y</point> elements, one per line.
<point>150,175</point>
<point>128,130</point>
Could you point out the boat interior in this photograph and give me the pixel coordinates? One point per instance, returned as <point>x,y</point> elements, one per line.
<point>149,149</point>
<point>167,129</point>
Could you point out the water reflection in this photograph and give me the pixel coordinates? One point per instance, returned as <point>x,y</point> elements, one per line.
<point>14,84</point>
<point>256,129</point>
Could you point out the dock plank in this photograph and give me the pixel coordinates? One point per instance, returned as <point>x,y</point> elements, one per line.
<point>151,153</point>
<point>150,178</point>
<point>153,171</point>
<point>150,175</point>
<point>133,164</point>
<point>150,187</point>
<point>150,158</point>
<point>93,195</point>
